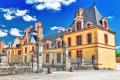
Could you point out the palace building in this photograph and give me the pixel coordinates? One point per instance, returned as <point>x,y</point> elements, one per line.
<point>88,36</point>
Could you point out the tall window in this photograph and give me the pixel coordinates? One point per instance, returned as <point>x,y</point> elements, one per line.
<point>79,53</point>
<point>89,38</point>
<point>26,41</point>
<point>59,44</point>
<point>79,25</point>
<point>47,46</point>
<point>58,57</point>
<point>69,53</point>
<point>69,41</point>
<point>26,50</point>
<point>105,24</point>
<point>106,38</point>
<point>79,40</point>
<point>19,52</point>
<point>47,58</point>
<point>33,48</point>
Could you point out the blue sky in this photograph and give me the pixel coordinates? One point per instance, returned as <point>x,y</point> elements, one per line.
<point>17,15</point>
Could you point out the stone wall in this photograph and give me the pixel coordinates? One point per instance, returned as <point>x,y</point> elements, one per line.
<point>15,70</point>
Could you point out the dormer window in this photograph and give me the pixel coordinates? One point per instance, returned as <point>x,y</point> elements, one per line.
<point>69,30</point>
<point>105,24</point>
<point>79,25</point>
<point>59,42</point>
<point>47,46</point>
<point>88,25</point>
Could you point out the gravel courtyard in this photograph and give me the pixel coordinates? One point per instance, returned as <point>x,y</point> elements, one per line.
<point>76,75</point>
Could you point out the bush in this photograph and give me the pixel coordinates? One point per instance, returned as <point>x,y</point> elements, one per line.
<point>117,53</point>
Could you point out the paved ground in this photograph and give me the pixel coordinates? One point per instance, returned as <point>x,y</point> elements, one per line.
<point>76,75</point>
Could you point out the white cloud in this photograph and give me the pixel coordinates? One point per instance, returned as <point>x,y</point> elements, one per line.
<point>3,25</point>
<point>57,28</point>
<point>29,18</point>
<point>110,17</point>
<point>21,12</point>
<point>117,47</point>
<point>11,13</point>
<point>49,4</point>
<point>15,32</point>
<point>3,33</point>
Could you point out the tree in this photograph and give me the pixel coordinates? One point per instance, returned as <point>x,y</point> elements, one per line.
<point>117,53</point>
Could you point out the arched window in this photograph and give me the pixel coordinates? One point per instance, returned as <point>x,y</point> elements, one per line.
<point>79,25</point>
<point>105,24</point>
<point>47,46</point>
<point>89,38</point>
<point>79,54</point>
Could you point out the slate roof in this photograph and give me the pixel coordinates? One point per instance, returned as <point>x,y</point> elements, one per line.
<point>91,15</point>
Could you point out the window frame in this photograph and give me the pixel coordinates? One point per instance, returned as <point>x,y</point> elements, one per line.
<point>25,49</point>
<point>89,37</point>
<point>79,40</point>
<point>47,58</point>
<point>79,53</point>
<point>106,39</point>
<point>58,57</point>
<point>80,25</point>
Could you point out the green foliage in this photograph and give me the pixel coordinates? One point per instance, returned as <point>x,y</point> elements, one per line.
<point>117,53</point>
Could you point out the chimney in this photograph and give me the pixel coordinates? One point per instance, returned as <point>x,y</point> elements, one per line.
<point>2,45</point>
<point>80,10</point>
<point>76,14</point>
<point>25,33</point>
<point>36,26</point>
<point>28,29</point>
<point>16,37</point>
<point>40,30</point>
<point>9,44</point>
<point>30,26</point>
<point>61,30</point>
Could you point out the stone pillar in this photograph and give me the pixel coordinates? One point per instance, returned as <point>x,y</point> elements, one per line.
<point>39,49</point>
<point>66,58</point>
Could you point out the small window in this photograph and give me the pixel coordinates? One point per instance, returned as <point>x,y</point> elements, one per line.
<point>47,46</point>
<point>26,50</point>
<point>59,44</point>
<point>47,58</point>
<point>88,25</point>
<point>89,38</point>
<point>105,24</point>
<point>58,57</point>
<point>25,59</point>
<point>33,48</point>
<point>19,52</point>
<point>69,41</point>
<point>106,39</point>
<point>79,54</point>
<point>79,25</point>
<point>79,40</point>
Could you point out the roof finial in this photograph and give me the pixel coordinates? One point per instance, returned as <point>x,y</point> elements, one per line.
<point>94,4</point>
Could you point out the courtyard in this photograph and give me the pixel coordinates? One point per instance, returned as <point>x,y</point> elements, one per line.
<point>76,75</point>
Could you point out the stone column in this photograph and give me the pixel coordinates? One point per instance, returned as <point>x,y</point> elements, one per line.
<point>39,49</point>
<point>66,58</point>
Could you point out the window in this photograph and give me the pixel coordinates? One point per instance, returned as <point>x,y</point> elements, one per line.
<point>25,59</point>
<point>105,24</point>
<point>79,53</point>
<point>79,40</point>
<point>33,48</point>
<point>26,50</point>
<point>19,52</point>
<point>89,38</point>
<point>88,25</point>
<point>58,57</point>
<point>47,58</point>
<point>59,44</point>
<point>79,25</point>
<point>47,46</point>
<point>106,39</point>
<point>69,53</point>
<point>69,41</point>
<point>26,41</point>
<point>25,34</point>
